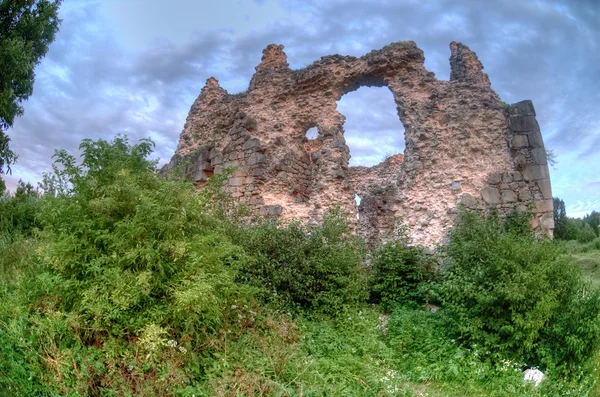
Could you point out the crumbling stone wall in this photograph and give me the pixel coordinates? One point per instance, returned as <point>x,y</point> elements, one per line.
<point>463,145</point>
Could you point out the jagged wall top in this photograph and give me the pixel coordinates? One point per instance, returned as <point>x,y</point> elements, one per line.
<point>459,137</point>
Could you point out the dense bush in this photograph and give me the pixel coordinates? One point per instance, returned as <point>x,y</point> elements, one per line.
<point>126,262</point>
<point>18,213</point>
<point>308,267</point>
<point>578,229</point>
<point>517,296</point>
<point>399,274</point>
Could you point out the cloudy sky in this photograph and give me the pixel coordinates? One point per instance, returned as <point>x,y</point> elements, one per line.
<point>136,66</point>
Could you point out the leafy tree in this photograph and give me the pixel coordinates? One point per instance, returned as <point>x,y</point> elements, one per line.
<point>560,218</point>
<point>578,229</point>
<point>18,212</point>
<point>593,219</point>
<point>27,27</point>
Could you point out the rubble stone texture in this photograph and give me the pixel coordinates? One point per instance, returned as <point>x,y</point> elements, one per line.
<point>464,146</point>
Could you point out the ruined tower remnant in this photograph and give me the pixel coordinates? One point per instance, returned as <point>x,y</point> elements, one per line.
<point>463,145</point>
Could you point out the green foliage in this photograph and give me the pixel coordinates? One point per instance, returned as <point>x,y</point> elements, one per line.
<point>560,218</point>
<point>583,230</point>
<point>580,230</point>
<point>125,261</point>
<point>131,249</point>
<point>551,158</point>
<point>18,213</point>
<point>307,267</point>
<point>117,282</point>
<point>593,219</point>
<point>399,274</point>
<point>508,108</point>
<point>516,296</point>
<point>26,30</point>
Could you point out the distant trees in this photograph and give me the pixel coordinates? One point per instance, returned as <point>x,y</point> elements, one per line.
<point>582,230</point>
<point>560,218</point>
<point>593,219</point>
<point>27,27</point>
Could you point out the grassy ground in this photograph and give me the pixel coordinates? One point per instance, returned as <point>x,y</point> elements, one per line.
<point>589,262</point>
<point>587,257</point>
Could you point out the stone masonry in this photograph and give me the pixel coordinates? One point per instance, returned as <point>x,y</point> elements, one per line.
<point>464,146</point>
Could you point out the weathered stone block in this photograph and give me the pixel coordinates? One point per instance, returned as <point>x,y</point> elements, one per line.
<point>249,124</point>
<point>535,139</point>
<point>534,223</point>
<point>544,206</point>
<point>272,210</point>
<point>508,196</point>
<point>524,108</point>
<point>520,141</point>
<point>545,188</point>
<point>523,123</point>
<point>199,176</point>
<point>256,158</point>
<point>202,156</point>
<point>468,201</point>
<point>217,160</point>
<point>236,181</point>
<point>535,172</point>
<point>491,195</point>
<point>524,194</point>
<point>539,156</point>
<point>494,179</point>
<point>547,221</point>
<point>520,162</point>
<point>252,143</point>
<point>517,176</point>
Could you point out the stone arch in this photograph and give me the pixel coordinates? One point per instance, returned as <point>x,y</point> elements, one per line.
<point>375,131</point>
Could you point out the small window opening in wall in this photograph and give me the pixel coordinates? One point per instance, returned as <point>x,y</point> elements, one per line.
<point>357,199</point>
<point>312,133</point>
<point>313,144</point>
<point>373,130</point>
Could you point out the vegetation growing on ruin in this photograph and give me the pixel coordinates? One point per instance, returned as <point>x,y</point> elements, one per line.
<point>116,282</point>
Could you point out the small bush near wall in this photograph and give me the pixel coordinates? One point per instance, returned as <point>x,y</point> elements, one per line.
<point>517,296</point>
<point>307,267</point>
<point>399,274</point>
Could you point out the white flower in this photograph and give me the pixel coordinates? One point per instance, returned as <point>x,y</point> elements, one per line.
<point>533,375</point>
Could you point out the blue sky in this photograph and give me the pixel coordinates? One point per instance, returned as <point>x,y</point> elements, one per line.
<point>136,66</point>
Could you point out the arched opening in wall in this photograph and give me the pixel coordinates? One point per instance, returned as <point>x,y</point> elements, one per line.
<point>357,199</point>
<point>373,130</point>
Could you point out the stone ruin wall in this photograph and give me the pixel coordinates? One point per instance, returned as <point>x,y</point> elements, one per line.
<point>463,145</point>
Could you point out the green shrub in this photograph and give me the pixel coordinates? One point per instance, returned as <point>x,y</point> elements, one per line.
<point>578,229</point>
<point>18,213</point>
<point>308,267</point>
<point>399,273</point>
<point>517,296</point>
<point>126,262</point>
